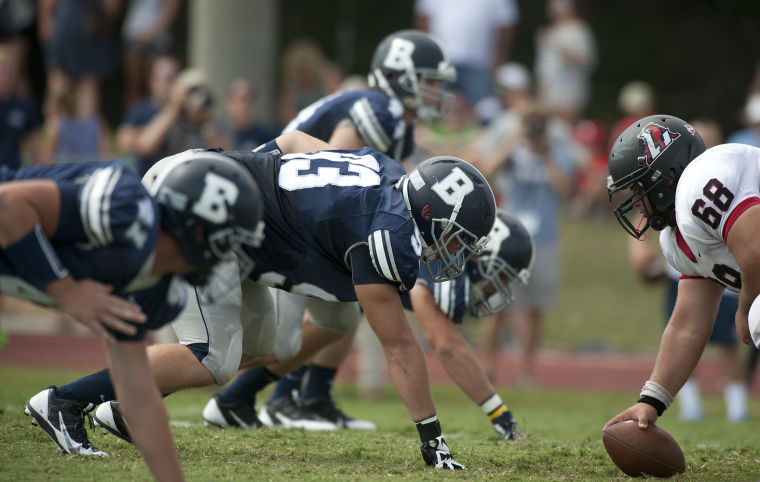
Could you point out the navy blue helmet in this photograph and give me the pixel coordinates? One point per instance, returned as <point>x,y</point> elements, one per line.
<point>453,208</point>
<point>413,67</point>
<point>210,205</point>
<point>507,257</point>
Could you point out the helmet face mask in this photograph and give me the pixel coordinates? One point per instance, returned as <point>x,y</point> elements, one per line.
<point>453,209</point>
<point>413,67</point>
<point>452,248</point>
<point>508,257</point>
<point>635,213</point>
<point>647,161</point>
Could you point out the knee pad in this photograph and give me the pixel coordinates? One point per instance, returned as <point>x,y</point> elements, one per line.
<point>334,317</point>
<point>258,319</point>
<point>289,310</point>
<point>223,361</point>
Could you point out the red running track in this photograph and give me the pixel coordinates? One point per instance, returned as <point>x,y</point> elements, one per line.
<point>554,370</point>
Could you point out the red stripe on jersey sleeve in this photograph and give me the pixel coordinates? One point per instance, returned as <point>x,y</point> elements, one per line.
<point>684,247</point>
<point>685,276</point>
<point>738,210</point>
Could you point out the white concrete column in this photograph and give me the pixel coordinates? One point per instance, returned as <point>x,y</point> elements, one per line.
<point>236,38</point>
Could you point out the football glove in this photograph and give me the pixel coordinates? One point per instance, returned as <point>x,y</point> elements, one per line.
<point>436,453</point>
<point>506,426</point>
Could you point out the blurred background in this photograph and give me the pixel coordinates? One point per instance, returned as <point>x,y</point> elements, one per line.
<point>95,79</point>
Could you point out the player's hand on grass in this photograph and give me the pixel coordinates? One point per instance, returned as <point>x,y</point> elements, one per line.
<point>436,453</point>
<point>642,413</point>
<point>506,426</point>
<point>92,304</point>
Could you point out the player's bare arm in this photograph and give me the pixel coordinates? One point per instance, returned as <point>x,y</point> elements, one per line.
<point>742,241</point>
<point>29,211</point>
<point>297,141</point>
<point>681,346</point>
<point>455,354</point>
<point>403,353</point>
<point>143,409</point>
<point>346,137</point>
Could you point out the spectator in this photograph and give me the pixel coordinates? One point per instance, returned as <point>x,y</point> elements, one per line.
<point>307,76</point>
<point>531,177</point>
<point>515,86</point>
<point>241,125</point>
<point>749,135</point>
<point>195,126</point>
<point>20,117</point>
<point>132,136</point>
<point>79,38</point>
<point>565,57</point>
<point>16,27</point>
<point>73,130</point>
<point>184,121</point>
<point>591,183</point>
<point>146,34</point>
<point>478,36</point>
<point>635,101</point>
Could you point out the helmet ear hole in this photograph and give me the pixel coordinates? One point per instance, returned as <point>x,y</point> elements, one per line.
<point>426,211</point>
<point>199,233</point>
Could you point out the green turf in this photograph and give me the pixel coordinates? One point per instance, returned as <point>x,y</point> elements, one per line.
<point>563,442</point>
<point>601,304</point>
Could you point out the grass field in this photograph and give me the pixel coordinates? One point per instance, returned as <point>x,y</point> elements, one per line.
<point>601,307</point>
<point>563,441</point>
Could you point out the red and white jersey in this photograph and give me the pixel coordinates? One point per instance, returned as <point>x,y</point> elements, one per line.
<point>713,191</point>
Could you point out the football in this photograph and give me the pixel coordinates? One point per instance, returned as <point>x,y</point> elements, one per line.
<point>643,452</point>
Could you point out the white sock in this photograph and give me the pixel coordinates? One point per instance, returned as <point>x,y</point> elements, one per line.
<point>689,402</point>
<point>735,395</point>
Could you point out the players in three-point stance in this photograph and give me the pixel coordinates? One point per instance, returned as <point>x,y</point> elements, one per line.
<point>440,306</point>
<point>340,226</point>
<point>408,75</point>
<point>705,203</point>
<point>86,237</point>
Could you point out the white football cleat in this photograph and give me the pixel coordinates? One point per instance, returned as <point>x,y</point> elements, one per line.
<point>63,421</point>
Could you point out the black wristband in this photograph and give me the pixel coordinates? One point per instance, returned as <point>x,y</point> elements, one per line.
<point>658,405</point>
<point>429,431</point>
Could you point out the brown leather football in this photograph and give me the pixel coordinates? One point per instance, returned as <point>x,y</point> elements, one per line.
<point>643,452</point>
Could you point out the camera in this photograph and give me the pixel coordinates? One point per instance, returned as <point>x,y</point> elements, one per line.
<point>201,96</point>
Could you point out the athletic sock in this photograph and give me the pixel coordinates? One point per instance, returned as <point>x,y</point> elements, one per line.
<point>288,384</point>
<point>735,396</point>
<point>493,406</point>
<point>245,387</point>
<point>96,389</point>
<point>689,401</point>
<point>318,382</point>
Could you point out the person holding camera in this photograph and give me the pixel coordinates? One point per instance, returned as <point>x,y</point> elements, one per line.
<point>184,121</point>
<point>529,172</point>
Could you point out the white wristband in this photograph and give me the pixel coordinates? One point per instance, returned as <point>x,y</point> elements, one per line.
<point>655,390</point>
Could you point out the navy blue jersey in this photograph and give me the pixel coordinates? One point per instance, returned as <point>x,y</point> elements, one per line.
<point>378,118</point>
<point>320,206</point>
<point>450,296</point>
<point>107,231</point>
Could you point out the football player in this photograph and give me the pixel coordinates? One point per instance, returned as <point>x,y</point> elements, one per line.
<point>89,240</point>
<point>408,76</point>
<point>341,225</point>
<point>484,291</point>
<point>705,205</point>
<point>441,306</point>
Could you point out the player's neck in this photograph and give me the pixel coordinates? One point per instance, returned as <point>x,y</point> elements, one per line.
<point>168,257</point>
